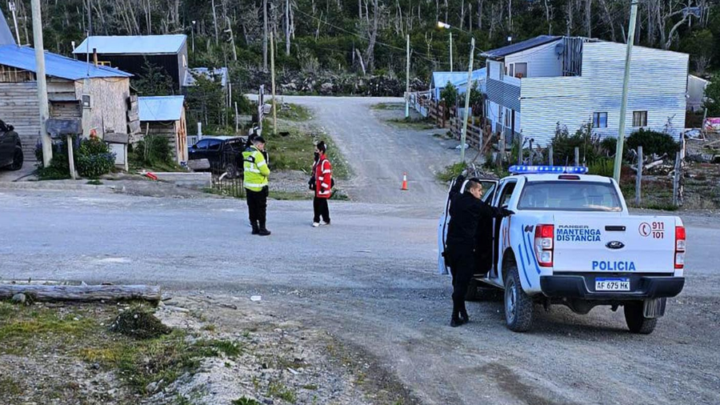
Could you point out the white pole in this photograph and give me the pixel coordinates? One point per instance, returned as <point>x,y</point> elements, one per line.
<point>407,80</point>
<point>451,56</point>
<point>41,82</point>
<point>626,82</point>
<point>468,89</point>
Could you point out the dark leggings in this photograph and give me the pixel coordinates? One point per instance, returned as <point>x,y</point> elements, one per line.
<point>320,208</point>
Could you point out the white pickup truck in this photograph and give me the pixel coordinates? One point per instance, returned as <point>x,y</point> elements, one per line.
<point>572,241</point>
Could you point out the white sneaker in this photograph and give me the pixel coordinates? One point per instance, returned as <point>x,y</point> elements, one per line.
<point>316,224</point>
<point>326,223</point>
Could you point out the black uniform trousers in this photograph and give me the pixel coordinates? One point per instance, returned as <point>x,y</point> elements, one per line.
<point>257,205</point>
<point>461,259</point>
<point>320,209</point>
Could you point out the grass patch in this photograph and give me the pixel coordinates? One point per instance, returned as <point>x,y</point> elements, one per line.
<point>294,112</point>
<point>278,390</point>
<point>295,150</point>
<point>84,333</point>
<point>310,387</point>
<point>411,123</point>
<point>8,386</point>
<point>388,106</point>
<point>95,182</point>
<point>450,172</point>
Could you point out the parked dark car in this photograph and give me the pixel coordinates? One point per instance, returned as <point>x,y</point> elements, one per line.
<point>11,154</point>
<point>224,153</point>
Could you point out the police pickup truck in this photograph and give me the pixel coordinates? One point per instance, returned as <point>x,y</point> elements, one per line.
<point>573,242</point>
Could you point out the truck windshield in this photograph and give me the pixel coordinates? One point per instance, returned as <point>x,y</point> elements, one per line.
<point>569,196</point>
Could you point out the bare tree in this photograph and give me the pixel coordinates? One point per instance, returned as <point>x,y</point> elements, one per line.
<point>370,53</point>
<point>265,36</point>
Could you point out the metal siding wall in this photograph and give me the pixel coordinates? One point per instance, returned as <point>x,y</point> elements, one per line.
<point>657,85</point>
<point>542,60</point>
<point>504,94</point>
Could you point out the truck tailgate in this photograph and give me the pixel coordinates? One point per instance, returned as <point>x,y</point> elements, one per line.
<point>609,243</point>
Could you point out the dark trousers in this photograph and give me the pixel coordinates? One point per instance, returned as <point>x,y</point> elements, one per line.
<point>257,206</point>
<point>320,209</point>
<point>462,267</point>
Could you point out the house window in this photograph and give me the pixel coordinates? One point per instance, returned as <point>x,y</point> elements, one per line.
<point>512,70</point>
<point>639,118</point>
<point>520,70</point>
<point>600,120</point>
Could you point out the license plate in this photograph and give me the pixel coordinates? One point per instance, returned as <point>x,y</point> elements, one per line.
<point>612,284</point>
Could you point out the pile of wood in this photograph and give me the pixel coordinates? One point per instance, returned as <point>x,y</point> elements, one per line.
<point>81,293</point>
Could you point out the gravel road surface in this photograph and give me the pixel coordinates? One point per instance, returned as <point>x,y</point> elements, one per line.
<point>369,279</point>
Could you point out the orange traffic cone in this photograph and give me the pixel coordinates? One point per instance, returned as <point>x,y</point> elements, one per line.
<point>404,183</point>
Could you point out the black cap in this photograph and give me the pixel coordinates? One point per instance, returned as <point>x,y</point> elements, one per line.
<point>258,139</point>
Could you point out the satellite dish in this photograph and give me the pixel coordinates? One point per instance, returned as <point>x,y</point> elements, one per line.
<point>560,48</point>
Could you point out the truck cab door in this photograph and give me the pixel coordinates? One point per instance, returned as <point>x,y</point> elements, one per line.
<point>501,227</point>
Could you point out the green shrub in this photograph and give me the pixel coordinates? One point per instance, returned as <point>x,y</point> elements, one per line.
<point>94,158</point>
<point>655,142</point>
<point>609,146</point>
<point>449,94</point>
<point>564,145</point>
<point>153,150</point>
<point>602,167</point>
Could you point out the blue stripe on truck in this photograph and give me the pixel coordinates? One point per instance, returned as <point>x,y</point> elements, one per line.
<point>523,265</point>
<point>528,242</point>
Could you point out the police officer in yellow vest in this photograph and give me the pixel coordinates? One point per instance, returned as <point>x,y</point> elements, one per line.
<point>256,172</point>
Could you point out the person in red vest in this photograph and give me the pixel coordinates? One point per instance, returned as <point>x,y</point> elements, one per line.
<point>322,182</point>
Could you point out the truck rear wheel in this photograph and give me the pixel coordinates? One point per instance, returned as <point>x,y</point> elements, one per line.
<point>636,320</point>
<point>518,305</point>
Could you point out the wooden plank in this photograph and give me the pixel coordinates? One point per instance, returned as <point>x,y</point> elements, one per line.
<point>133,116</point>
<point>86,293</point>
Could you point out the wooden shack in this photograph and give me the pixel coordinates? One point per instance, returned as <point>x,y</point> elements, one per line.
<point>165,116</point>
<point>131,53</point>
<point>95,96</point>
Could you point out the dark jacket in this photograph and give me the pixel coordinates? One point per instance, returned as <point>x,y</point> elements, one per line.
<point>467,213</point>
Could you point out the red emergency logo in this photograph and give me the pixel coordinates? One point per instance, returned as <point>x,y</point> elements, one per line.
<point>645,229</point>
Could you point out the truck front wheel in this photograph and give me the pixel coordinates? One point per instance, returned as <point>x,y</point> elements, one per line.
<point>636,320</point>
<point>518,305</point>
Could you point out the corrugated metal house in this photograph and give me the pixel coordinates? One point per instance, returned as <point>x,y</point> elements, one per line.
<point>696,93</point>
<point>458,79</point>
<point>165,116</point>
<point>108,90</point>
<point>536,84</point>
<point>130,53</point>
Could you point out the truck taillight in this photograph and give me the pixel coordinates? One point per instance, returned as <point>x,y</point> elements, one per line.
<point>544,244</point>
<point>679,247</point>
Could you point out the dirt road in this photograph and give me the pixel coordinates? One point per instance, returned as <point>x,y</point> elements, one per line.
<point>369,280</point>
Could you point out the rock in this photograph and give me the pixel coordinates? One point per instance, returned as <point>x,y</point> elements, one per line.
<point>326,88</point>
<point>19,298</point>
<point>268,401</point>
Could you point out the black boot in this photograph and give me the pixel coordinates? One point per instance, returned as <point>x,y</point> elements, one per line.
<point>255,227</point>
<point>263,231</point>
<point>464,318</point>
<point>455,321</point>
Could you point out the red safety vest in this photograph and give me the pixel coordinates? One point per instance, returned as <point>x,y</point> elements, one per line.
<point>323,178</point>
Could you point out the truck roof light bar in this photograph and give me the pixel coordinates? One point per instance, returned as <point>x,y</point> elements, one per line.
<point>523,169</point>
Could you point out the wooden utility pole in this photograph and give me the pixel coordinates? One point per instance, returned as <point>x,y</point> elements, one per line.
<point>468,89</point>
<point>41,82</point>
<point>272,76</point>
<point>265,36</point>
<point>626,83</point>
<point>407,80</point>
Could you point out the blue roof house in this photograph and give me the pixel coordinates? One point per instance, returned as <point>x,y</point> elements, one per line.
<point>96,96</point>
<point>165,116</point>
<point>458,79</point>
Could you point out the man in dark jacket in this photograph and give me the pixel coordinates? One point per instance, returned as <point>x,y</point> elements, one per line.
<point>467,211</point>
